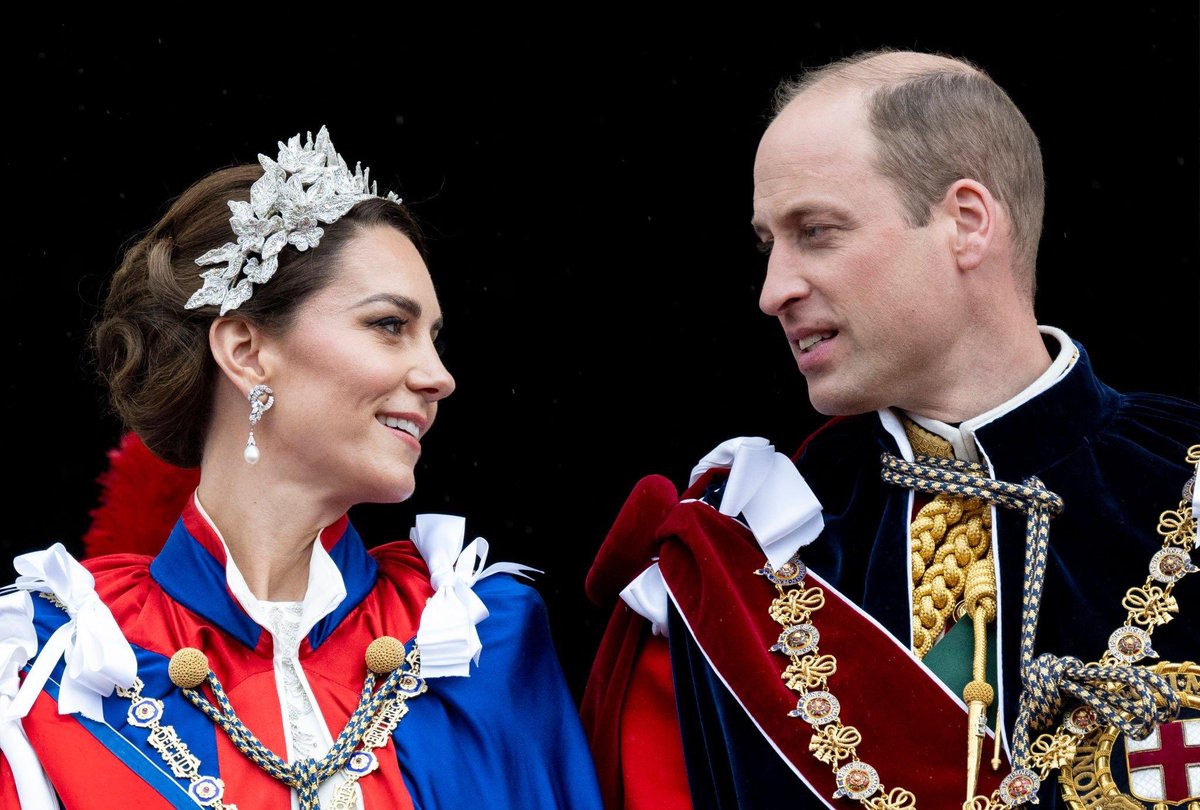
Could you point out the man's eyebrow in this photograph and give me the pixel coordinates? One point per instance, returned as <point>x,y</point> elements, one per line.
<point>799,212</point>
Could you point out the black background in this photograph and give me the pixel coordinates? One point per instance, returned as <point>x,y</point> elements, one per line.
<point>587,194</point>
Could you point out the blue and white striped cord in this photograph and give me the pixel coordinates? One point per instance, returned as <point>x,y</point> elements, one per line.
<point>304,775</point>
<point>1129,697</point>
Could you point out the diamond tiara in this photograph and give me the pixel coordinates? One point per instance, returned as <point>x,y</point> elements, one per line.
<point>304,186</point>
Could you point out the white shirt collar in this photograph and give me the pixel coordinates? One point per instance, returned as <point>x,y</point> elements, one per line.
<point>326,587</point>
<point>962,438</point>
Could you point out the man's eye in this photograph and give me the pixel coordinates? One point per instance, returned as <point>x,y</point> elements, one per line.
<point>814,231</point>
<point>764,247</point>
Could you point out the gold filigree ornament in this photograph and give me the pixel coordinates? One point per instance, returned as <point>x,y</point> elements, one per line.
<point>808,673</point>
<point>1150,606</point>
<point>833,743</point>
<point>1178,525</point>
<point>1053,751</point>
<point>796,606</point>
<point>896,799</point>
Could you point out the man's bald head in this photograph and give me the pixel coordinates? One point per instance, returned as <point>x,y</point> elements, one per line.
<point>937,120</point>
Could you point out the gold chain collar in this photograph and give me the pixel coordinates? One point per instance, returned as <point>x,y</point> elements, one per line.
<point>809,670</point>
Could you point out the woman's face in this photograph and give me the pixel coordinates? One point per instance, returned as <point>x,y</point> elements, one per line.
<point>357,377</point>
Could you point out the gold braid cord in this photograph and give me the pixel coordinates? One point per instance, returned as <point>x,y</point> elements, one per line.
<point>953,574</point>
<point>949,535</point>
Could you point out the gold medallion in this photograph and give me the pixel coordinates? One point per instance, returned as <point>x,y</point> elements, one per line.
<point>1163,771</point>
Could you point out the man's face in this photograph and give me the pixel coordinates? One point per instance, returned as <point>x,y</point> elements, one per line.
<point>868,303</point>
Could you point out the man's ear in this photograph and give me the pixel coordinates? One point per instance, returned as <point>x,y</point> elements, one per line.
<point>973,211</point>
<point>237,346</point>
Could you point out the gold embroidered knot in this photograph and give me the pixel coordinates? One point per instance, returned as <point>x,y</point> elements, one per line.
<point>831,744</point>
<point>984,803</point>
<point>384,655</point>
<point>979,691</point>
<point>188,668</point>
<point>1053,751</point>
<point>1178,527</point>
<point>796,605</point>
<point>809,672</point>
<point>896,799</point>
<point>1150,606</point>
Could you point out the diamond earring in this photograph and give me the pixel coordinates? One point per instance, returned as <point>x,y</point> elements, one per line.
<point>257,408</point>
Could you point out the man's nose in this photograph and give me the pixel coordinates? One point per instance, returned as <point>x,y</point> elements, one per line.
<point>785,282</point>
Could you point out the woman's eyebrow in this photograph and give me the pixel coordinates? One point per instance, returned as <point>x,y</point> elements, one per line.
<point>402,302</point>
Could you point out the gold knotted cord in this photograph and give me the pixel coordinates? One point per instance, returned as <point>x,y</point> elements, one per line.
<point>949,535</point>
<point>951,561</point>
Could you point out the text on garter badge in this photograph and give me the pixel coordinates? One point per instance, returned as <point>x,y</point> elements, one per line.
<point>1157,773</point>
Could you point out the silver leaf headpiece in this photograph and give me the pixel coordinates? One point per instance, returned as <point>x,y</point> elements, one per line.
<point>304,186</point>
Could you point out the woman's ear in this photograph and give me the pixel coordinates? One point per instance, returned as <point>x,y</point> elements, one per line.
<point>236,345</point>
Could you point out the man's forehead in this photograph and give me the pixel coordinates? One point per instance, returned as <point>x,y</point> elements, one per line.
<point>815,137</point>
<point>816,120</point>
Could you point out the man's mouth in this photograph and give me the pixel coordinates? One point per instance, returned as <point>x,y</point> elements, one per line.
<point>806,343</point>
<point>409,427</point>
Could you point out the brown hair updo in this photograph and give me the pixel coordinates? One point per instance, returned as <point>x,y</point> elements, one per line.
<point>153,354</point>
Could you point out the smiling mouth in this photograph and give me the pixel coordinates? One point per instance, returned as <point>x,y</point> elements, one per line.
<point>806,344</point>
<point>395,423</point>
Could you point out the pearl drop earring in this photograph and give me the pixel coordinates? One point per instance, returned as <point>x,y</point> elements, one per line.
<point>257,408</point>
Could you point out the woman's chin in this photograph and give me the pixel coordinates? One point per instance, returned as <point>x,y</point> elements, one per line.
<point>395,492</point>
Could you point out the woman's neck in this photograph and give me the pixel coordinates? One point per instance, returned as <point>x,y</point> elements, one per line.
<point>268,523</point>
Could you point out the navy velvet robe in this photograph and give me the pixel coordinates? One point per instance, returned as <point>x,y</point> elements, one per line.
<point>1117,460</point>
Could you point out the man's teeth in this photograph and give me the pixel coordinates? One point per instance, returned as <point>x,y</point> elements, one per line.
<point>812,340</point>
<point>402,424</point>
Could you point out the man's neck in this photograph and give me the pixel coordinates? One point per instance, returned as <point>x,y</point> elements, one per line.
<point>961,432</point>
<point>979,373</point>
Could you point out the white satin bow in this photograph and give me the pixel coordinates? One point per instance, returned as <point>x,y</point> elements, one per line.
<point>447,636</point>
<point>18,643</point>
<point>98,658</point>
<point>767,490</point>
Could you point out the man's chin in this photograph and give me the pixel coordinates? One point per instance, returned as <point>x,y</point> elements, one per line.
<point>838,403</point>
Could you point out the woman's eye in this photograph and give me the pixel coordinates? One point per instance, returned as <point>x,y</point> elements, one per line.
<point>391,325</point>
